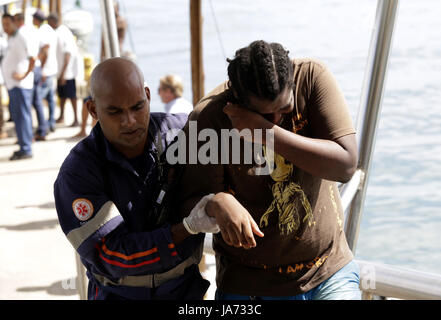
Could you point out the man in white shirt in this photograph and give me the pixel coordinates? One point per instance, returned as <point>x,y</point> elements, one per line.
<point>17,66</point>
<point>48,58</point>
<point>31,36</point>
<point>170,90</point>
<point>67,52</point>
<point>3,46</point>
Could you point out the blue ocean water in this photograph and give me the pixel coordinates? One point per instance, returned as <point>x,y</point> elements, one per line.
<point>402,215</point>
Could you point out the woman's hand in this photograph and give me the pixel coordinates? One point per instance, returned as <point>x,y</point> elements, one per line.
<point>235,222</point>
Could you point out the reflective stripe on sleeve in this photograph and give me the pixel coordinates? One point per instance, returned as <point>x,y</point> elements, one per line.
<point>107,212</point>
<point>154,280</point>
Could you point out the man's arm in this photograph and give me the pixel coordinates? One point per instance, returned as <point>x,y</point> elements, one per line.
<point>42,55</point>
<point>97,231</point>
<point>179,233</point>
<point>31,65</point>
<point>66,60</point>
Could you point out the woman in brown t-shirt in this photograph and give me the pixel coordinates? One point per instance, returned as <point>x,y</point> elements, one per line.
<point>297,204</point>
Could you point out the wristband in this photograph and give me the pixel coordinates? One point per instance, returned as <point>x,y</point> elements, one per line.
<point>187,227</point>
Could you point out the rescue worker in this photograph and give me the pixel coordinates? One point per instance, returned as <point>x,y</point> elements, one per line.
<point>109,196</point>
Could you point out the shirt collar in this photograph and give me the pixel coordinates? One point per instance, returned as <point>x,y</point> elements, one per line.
<point>113,155</point>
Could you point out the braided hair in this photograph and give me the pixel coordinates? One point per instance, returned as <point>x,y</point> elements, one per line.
<point>261,69</point>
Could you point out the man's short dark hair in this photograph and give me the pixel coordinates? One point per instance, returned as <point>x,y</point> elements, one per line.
<point>19,17</point>
<point>39,15</point>
<point>7,16</point>
<point>53,17</point>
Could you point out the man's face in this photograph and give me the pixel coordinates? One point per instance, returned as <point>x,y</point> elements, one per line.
<point>36,22</point>
<point>124,114</point>
<point>273,110</point>
<point>8,26</point>
<point>52,23</point>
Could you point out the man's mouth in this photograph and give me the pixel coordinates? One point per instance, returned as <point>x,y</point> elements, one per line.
<point>131,132</point>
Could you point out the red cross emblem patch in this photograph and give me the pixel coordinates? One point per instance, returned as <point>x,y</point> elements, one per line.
<point>82,208</point>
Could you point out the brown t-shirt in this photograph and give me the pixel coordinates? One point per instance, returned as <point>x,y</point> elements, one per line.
<point>300,214</point>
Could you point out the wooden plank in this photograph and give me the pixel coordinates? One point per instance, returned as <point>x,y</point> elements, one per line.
<point>197,68</point>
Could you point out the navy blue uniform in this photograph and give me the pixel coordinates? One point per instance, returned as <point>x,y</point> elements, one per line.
<point>104,201</point>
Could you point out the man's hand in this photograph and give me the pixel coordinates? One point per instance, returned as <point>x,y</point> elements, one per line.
<point>235,222</point>
<point>61,81</point>
<point>17,76</point>
<point>198,221</point>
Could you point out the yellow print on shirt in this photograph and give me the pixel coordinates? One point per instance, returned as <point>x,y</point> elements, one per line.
<point>286,194</point>
<point>317,262</point>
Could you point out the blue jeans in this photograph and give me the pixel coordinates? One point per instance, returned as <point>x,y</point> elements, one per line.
<point>48,93</point>
<point>20,106</point>
<point>37,102</point>
<point>343,285</point>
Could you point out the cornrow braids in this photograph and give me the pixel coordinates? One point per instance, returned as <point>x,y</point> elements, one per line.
<point>261,69</point>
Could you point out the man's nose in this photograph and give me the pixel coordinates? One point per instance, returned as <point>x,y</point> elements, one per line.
<point>128,119</point>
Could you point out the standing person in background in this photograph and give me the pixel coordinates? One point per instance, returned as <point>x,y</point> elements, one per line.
<point>3,46</point>
<point>32,38</point>
<point>85,114</point>
<point>121,27</point>
<point>170,90</point>
<point>17,66</point>
<point>48,59</point>
<point>67,52</point>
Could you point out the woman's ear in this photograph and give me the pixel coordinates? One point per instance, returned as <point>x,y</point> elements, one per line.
<point>235,95</point>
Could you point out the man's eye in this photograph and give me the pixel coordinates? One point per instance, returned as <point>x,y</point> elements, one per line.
<point>113,112</point>
<point>138,107</point>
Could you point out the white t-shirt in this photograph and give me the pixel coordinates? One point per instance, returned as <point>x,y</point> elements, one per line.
<point>66,44</point>
<point>32,37</point>
<point>178,105</point>
<point>48,36</point>
<point>3,47</point>
<point>21,47</point>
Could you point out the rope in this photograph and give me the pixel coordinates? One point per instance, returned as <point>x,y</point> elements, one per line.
<point>217,30</point>
<point>129,30</point>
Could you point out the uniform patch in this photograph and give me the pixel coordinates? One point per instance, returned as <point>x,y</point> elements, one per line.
<point>82,208</point>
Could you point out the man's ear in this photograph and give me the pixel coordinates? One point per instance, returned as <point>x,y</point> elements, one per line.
<point>91,107</point>
<point>147,93</point>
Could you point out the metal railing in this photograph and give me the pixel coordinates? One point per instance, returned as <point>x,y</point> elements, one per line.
<point>386,281</point>
<point>369,111</point>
